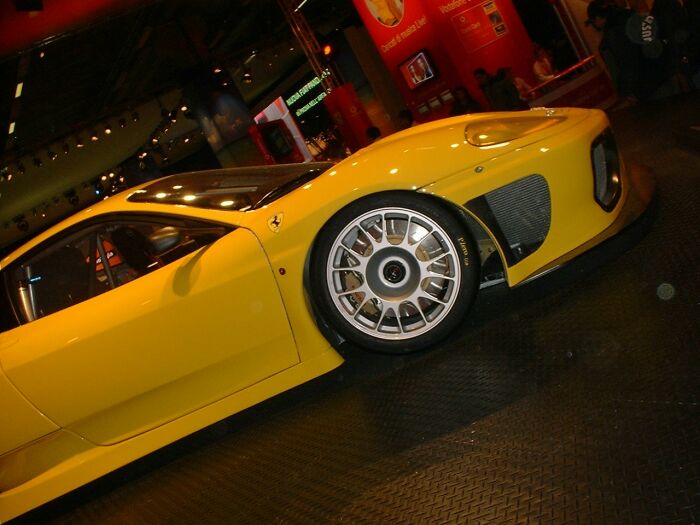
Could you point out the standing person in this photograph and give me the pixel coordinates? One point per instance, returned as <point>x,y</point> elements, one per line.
<point>524,89</point>
<point>542,66</point>
<point>405,119</point>
<point>373,133</point>
<point>463,102</point>
<point>499,90</point>
<point>679,29</point>
<point>635,76</point>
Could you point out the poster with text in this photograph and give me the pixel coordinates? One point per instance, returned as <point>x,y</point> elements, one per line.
<point>479,26</point>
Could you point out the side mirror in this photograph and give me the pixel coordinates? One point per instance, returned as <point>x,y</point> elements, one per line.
<point>164,239</point>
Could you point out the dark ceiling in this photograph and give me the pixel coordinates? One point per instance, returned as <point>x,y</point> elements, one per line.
<point>88,64</point>
<point>120,59</point>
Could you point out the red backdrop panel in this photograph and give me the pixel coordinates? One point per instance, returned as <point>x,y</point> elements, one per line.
<point>20,30</point>
<point>349,115</point>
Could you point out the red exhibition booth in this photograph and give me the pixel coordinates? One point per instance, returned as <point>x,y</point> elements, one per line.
<point>431,46</point>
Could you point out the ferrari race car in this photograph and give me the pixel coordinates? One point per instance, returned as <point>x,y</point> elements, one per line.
<point>164,309</point>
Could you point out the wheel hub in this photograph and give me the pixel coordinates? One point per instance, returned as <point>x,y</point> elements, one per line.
<point>393,273</point>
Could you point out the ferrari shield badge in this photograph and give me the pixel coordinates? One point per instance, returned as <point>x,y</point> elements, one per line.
<point>275,222</point>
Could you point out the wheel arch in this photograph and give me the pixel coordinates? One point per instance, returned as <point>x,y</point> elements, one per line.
<point>466,217</point>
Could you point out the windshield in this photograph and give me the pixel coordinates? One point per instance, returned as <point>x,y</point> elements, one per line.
<point>239,189</point>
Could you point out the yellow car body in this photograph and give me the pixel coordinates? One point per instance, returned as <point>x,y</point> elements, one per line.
<point>90,387</point>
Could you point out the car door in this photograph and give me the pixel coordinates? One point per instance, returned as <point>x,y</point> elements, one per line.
<point>121,335</point>
<point>20,422</point>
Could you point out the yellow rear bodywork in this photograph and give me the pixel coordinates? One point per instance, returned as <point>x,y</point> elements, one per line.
<point>59,432</point>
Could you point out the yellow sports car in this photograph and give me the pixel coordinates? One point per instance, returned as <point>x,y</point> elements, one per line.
<point>173,305</point>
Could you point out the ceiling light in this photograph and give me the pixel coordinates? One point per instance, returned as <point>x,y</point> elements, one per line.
<point>247,76</point>
<point>51,154</point>
<point>103,178</point>
<point>187,139</point>
<point>21,168</point>
<point>184,108</point>
<point>42,54</point>
<point>142,155</point>
<point>111,174</point>
<point>11,129</point>
<point>217,70</point>
<point>18,89</point>
<point>79,142</point>
<point>108,129</point>
<point>9,177</point>
<point>135,116</point>
<point>301,4</point>
<point>94,137</point>
<point>154,140</point>
<point>37,162</point>
<point>122,122</point>
<point>173,116</point>
<point>66,148</point>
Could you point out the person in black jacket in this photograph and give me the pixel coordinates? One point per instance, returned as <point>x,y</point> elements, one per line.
<point>463,102</point>
<point>631,49</point>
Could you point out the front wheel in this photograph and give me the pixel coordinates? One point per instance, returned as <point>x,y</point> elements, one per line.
<point>394,272</point>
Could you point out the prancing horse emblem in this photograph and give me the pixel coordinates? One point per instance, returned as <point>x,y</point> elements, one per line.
<point>275,222</point>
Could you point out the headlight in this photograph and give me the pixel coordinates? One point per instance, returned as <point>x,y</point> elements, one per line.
<point>606,170</point>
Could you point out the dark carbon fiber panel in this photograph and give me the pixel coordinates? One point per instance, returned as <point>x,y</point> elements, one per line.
<point>574,399</point>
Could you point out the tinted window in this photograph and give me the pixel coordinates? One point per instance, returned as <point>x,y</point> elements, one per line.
<point>101,257</point>
<point>239,189</point>
<point>7,316</point>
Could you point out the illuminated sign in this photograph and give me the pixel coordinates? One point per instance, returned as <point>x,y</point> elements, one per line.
<point>304,90</point>
<point>311,103</point>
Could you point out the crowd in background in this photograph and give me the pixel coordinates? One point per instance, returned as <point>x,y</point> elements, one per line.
<point>651,49</point>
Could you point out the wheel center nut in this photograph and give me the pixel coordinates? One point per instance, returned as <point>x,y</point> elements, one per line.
<point>394,272</point>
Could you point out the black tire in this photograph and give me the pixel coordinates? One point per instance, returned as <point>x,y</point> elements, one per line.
<point>394,272</point>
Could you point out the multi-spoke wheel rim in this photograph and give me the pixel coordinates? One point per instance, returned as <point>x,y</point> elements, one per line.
<point>393,273</point>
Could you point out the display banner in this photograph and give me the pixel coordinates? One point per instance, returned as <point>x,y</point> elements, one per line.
<point>448,39</point>
<point>479,26</point>
<point>482,33</point>
<point>407,42</point>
